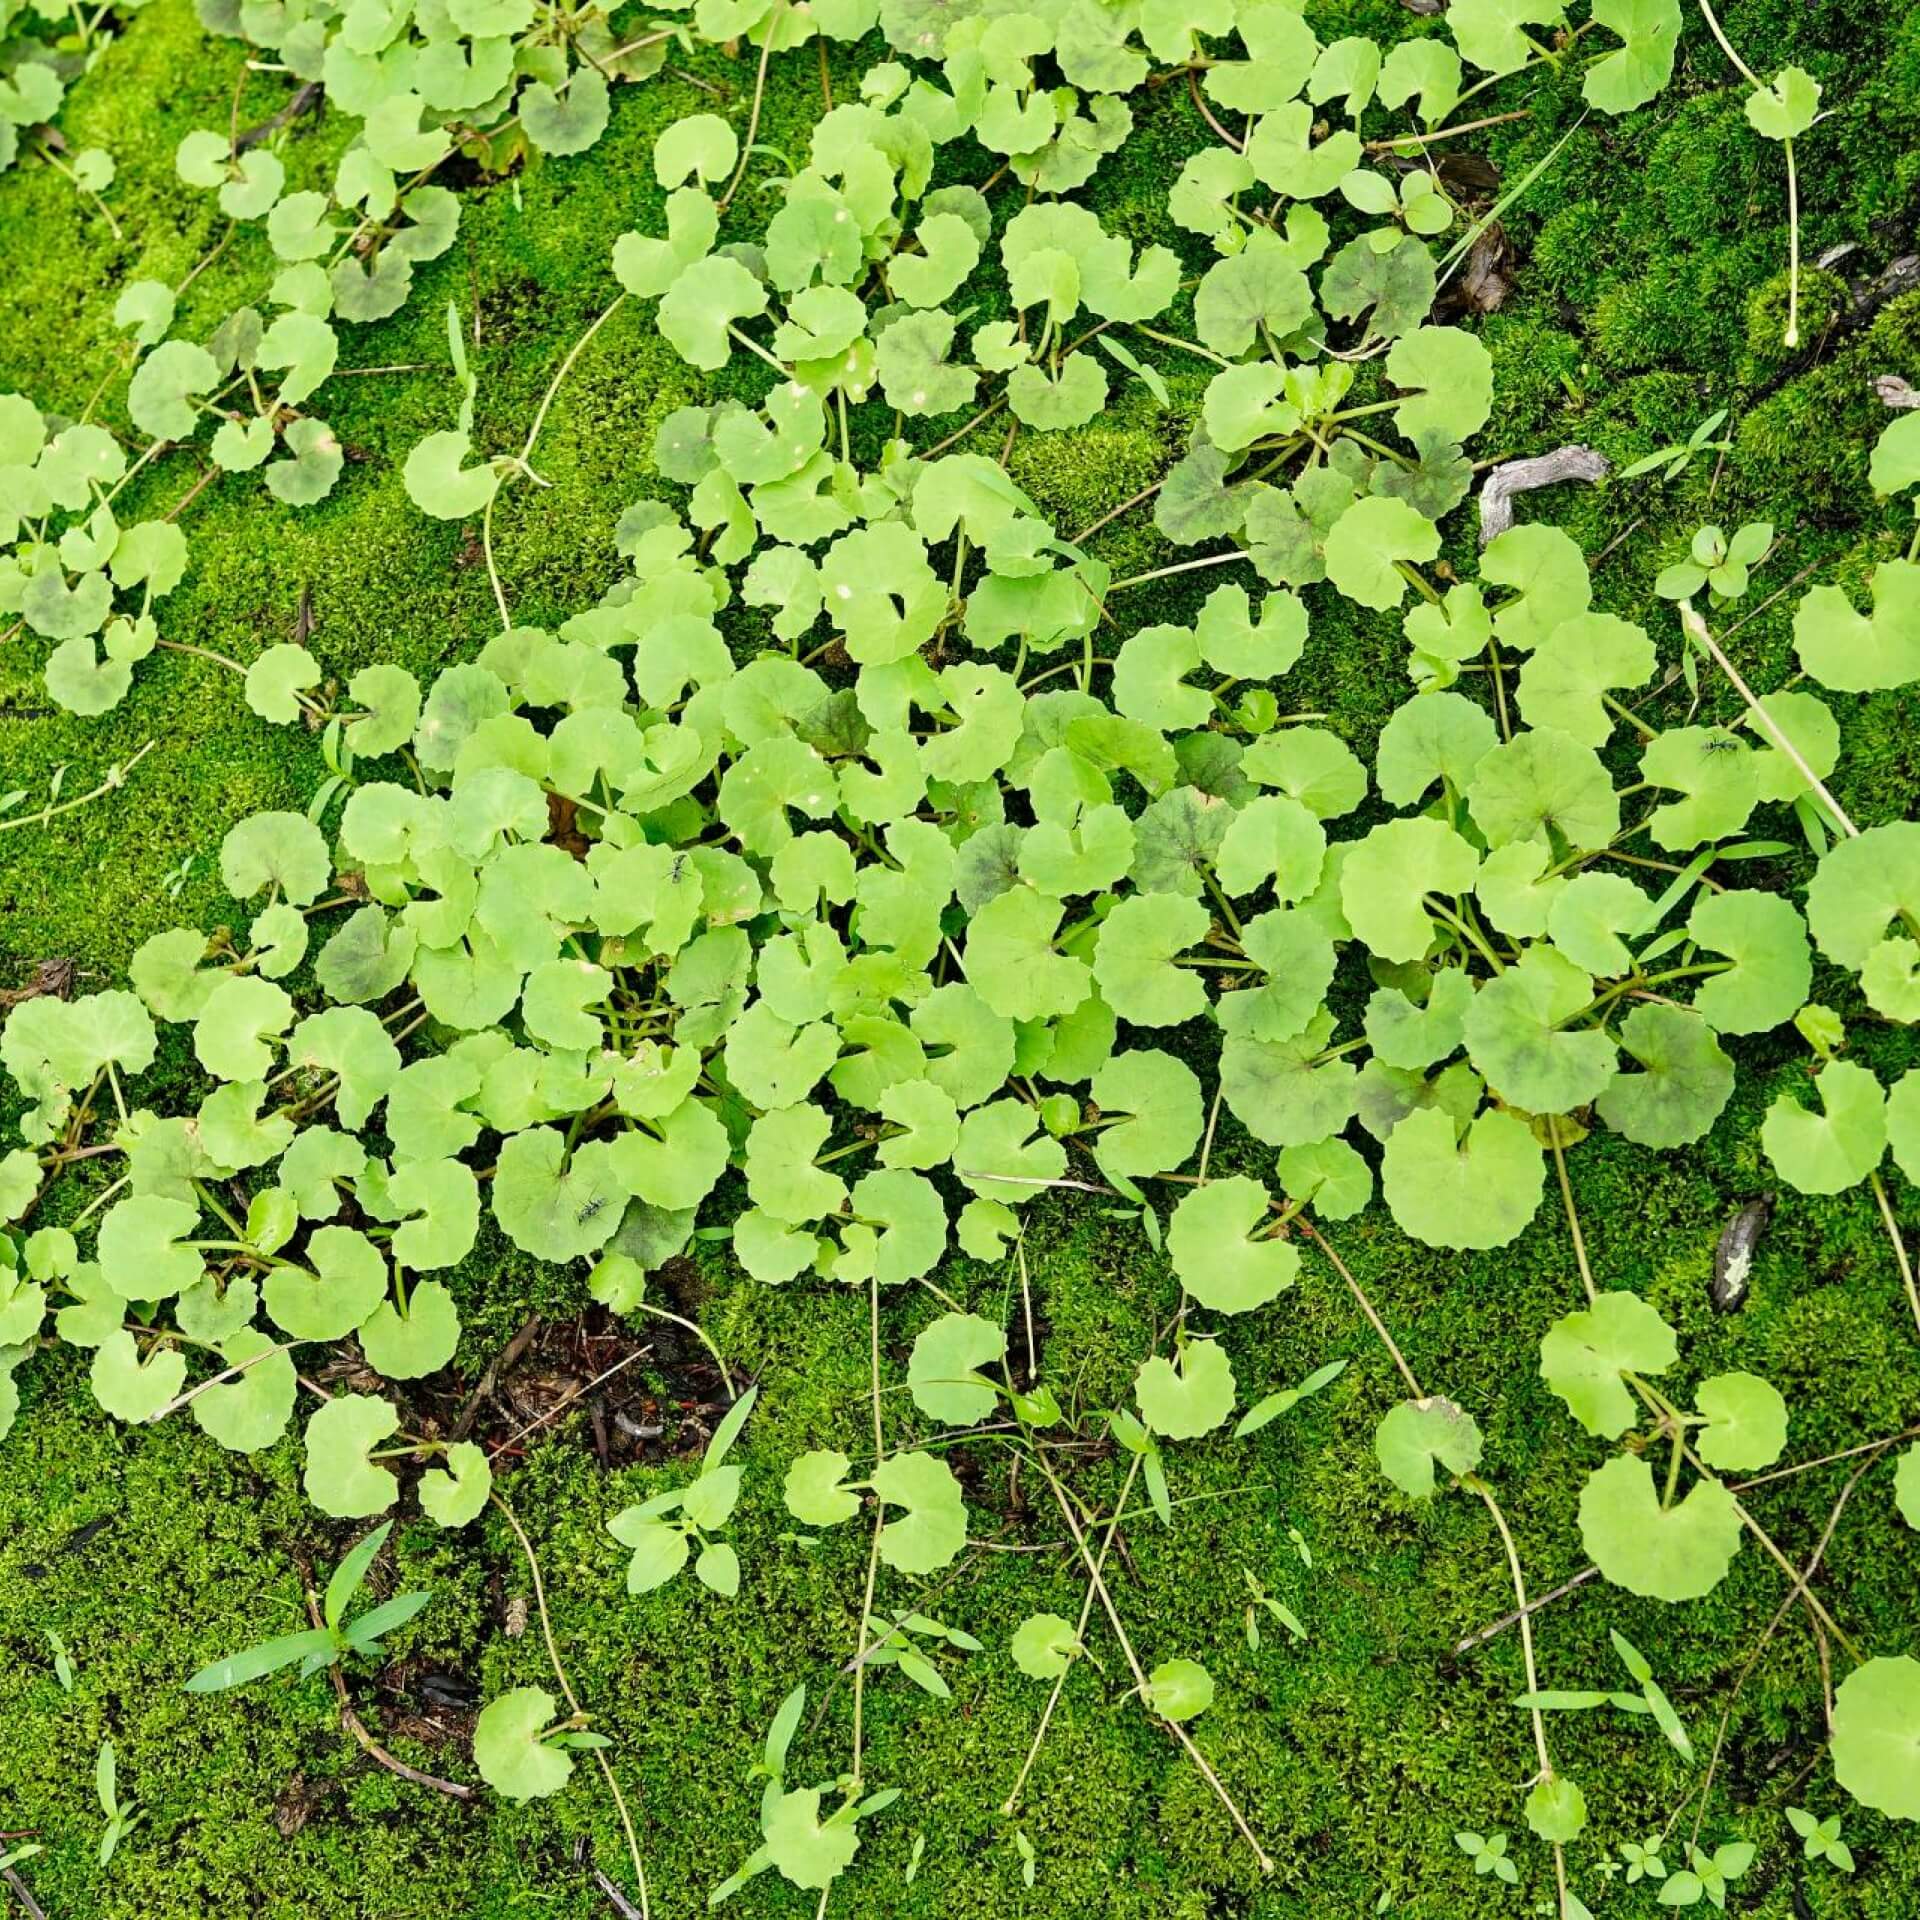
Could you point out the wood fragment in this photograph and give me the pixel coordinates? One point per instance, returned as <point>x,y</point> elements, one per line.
<point>307,100</point>
<point>1869,296</point>
<point>49,978</point>
<point>1733,1255</point>
<point>34,1910</point>
<point>611,1888</point>
<point>1525,476</point>
<point>505,1363</point>
<point>357,1727</point>
<point>1891,391</point>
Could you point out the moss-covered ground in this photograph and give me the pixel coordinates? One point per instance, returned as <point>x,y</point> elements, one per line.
<point>1648,269</point>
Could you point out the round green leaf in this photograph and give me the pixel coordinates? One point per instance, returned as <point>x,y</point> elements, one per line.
<point>507,1748</point>
<point>1218,1262</point>
<point>1662,1553</point>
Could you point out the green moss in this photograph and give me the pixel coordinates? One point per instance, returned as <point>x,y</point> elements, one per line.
<point>1647,288</point>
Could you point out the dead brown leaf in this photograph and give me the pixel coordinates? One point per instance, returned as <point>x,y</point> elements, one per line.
<point>49,978</point>
<point>1469,176</point>
<point>1486,278</point>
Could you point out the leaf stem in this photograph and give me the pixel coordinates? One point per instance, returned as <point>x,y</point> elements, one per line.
<point>1899,1245</point>
<point>1080,1633</point>
<point>116,777</point>
<point>1573,1217</point>
<point>759,99</point>
<point>1183,566</point>
<point>573,1699</point>
<point>1099,1584</point>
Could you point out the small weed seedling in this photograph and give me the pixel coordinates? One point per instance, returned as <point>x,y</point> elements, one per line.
<point>1488,1852</point>
<point>122,1815</point>
<point>322,1646</point>
<point>1820,1839</point>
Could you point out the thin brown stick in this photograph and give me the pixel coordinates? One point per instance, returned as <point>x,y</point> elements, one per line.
<point>193,1393</point>
<point>1206,114</point>
<point>560,1406</point>
<point>368,1744</point>
<point>1481,1635</point>
<point>1125,506</point>
<point>34,1910</point>
<point>1773,1626</point>
<point>1098,1580</point>
<point>504,1362</point>
<point>573,1699</point>
<point>1080,1633</point>
<point>1825,1460</point>
<point>1446,133</point>
<point>611,1888</point>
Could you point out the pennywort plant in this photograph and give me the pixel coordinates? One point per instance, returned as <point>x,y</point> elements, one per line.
<point>852,871</point>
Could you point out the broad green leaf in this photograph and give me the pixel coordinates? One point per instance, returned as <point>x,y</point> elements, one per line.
<point>944,1374</point>
<point>1893,468</point>
<point>1184,1400</point>
<point>1417,1433</point>
<point>1179,1690</point>
<point>1663,1553</point>
<point>1387,876</point>
<point>1746,1422</point>
<point>136,1249</point>
<point>1772,971</point>
<point>1452,375</point>
<point>1220,1261</point>
<point>1876,1735</point>
<point>410,1345</point>
<point>130,1388</point>
<point>1134,959</point>
<point>1855,652</point>
<point>1368,543</point>
<point>1151,1109</point>
<point>339,1478</point>
<point>507,1748</point>
<point>1518,1038</point>
<point>814,1491</point>
<point>1787,108</point>
<point>1044,1646</point>
<point>1493,33</point>
<point>1328,1176</point>
<point>554,1205</point>
<point>1686,1083</point>
<point>1584,1354</point>
<point>809,1852</point>
<point>1556,1810</point>
<point>1011,961</point>
<point>1433,737</point>
<point>252,1410</point>
<point>456,1494</point>
<point>1543,782</point>
<point>1636,70</point>
<point>932,1530</point>
<point>1837,1148</point>
<point>1567,681</point>
<point>1587,917</point>
<point>1477,1191</point>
